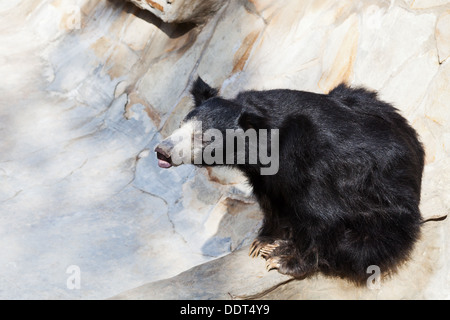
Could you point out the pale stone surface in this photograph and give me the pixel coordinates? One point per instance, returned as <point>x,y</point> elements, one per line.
<point>88,88</point>
<point>425,4</point>
<point>443,36</point>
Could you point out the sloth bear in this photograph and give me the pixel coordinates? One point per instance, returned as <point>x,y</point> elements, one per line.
<point>346,192</point>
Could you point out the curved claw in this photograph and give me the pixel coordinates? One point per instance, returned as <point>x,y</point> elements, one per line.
<point>272,263</point>
<point>268,249</point>
<point>261,248</point>
<point>255,248</point>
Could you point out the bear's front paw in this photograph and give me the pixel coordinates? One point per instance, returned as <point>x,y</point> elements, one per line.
<point>273,263</point>
<point>286,265</point>
<point>263,247</point>
<point>290,265</point>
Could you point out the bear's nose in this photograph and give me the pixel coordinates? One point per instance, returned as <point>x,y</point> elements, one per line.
<point>163,154</point>
<point>165,147</point>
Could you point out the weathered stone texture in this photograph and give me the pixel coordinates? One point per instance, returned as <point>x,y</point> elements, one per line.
<point>88,88</point>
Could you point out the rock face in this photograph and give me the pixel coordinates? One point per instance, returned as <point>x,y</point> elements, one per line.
<point>88,88</point>
<point>179,11</point>
<point>443,35</point>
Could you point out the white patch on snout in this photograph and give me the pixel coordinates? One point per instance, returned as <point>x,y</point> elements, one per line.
<point>187,143</point>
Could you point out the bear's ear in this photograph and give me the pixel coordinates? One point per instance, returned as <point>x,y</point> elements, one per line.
<point>201,92</point>
<point>252,120</point>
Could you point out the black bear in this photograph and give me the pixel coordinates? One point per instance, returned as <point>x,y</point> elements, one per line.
<point>346,190</point>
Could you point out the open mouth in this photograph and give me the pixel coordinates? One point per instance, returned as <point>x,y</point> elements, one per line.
<point>164,160</point>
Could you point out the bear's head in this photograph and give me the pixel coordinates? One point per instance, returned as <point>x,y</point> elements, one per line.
<point>218,132</point>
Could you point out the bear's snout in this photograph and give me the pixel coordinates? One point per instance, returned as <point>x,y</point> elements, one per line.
<point>163,151</point>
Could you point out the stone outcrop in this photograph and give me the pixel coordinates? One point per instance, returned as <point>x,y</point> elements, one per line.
<point>237,277</point>
<point>180,11</point>
<point>88,88</point>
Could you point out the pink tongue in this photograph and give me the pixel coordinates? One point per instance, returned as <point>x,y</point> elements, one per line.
<point>163,164</point>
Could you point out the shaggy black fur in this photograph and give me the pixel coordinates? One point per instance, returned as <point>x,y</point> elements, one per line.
<point>347,192</point>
